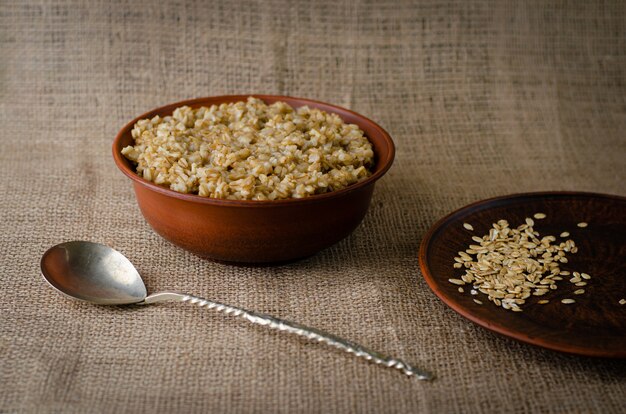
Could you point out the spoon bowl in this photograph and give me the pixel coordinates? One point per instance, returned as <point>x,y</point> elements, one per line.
<point>96,273</point>
<point>92,272</point>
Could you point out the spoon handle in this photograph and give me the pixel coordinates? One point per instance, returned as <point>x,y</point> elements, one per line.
<point>297,329</point>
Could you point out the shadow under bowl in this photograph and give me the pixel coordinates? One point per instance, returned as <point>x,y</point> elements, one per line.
<point>251,231</point>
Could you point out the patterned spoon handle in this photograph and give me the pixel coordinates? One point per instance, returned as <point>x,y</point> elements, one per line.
<point>297,329</point>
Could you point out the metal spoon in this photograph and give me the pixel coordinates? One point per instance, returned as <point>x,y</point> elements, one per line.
<point>98,274</point>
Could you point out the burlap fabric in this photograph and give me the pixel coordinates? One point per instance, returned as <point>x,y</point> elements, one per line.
<point>482,99</point>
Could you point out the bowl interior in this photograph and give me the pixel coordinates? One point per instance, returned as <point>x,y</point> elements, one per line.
<point>384,150</point>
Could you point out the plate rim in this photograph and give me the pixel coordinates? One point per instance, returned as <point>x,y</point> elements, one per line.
<point>486,324</point>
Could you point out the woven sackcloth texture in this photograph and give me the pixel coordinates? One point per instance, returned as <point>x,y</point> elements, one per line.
<point>483,98</point>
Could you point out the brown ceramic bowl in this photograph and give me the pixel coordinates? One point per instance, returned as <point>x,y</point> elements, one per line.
<point>250,231</point>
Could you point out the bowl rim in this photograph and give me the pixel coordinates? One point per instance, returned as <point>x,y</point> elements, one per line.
<point>120,161</point>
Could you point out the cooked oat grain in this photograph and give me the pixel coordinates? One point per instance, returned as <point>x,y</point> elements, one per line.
<point>250,151</point>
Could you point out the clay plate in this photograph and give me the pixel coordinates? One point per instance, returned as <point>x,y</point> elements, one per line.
<point>596,324</point>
